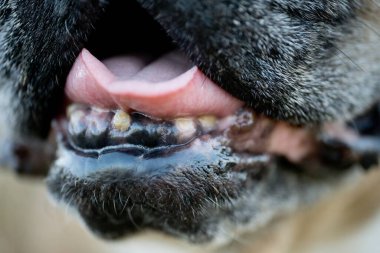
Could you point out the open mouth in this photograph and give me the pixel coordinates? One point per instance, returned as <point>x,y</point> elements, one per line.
<point>150,142</point>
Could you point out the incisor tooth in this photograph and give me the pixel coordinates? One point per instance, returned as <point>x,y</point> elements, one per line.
<point>96,126</point>
<point>186,128</point>
<point>121,121</point>
<point>208,123</point>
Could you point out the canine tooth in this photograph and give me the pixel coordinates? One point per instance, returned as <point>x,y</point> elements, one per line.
<point>208,122</point>
<point>186,128</point>
<point>121,121</point>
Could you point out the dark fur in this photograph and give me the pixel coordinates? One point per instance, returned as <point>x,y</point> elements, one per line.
<point>274,55</point>
<point>191,203</point>
<point>286,59</point>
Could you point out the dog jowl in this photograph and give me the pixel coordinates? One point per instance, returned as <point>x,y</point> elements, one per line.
<point>188,117</point>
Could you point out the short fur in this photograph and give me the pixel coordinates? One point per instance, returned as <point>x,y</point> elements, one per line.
<point>302,61</point>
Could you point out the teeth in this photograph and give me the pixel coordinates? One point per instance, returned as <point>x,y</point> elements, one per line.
<point>91,127</point>
<point>186,128</point>
<point>120,125</point>
<point>97,127</point>
<point>208,123</point>
<point>77,123</point>
<point>97,123</point>
<point>121,121</point>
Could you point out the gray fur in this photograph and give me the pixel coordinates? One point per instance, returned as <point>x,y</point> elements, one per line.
<point>278,56</point>
<point>302,61</point>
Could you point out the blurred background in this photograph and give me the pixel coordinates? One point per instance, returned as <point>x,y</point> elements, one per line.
<point>29,222</point>
<point>348,221</point>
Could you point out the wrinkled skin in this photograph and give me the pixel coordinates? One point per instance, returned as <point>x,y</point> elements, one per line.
<point>304,62</point>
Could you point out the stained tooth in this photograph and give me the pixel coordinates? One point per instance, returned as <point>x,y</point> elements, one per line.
<point>208,123</point>
<point>121,121</point>
<point>96,128</point>
<point>186,128</point>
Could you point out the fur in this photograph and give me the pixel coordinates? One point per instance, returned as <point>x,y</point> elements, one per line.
<point>305,62</point>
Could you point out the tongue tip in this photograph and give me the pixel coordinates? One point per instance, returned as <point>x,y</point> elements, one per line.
<point>82,84</point>
<point>96,68</point>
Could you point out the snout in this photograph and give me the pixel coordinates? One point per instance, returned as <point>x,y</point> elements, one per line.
<point>149,141</point>
<point>148,137</point>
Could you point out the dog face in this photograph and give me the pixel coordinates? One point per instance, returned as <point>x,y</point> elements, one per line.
<point>271,74</point>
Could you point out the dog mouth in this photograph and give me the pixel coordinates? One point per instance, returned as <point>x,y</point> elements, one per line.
<point>148,141</point>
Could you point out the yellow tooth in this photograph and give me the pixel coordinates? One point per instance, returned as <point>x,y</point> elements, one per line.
<point>121,121</point>
<point>207,122</point>
<point>186,127</point>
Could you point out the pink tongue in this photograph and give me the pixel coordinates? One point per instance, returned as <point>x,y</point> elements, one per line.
<point>165,87</point>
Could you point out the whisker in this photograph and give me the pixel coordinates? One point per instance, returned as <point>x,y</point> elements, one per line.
<point>350,59</point>
<point>131,218</point>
